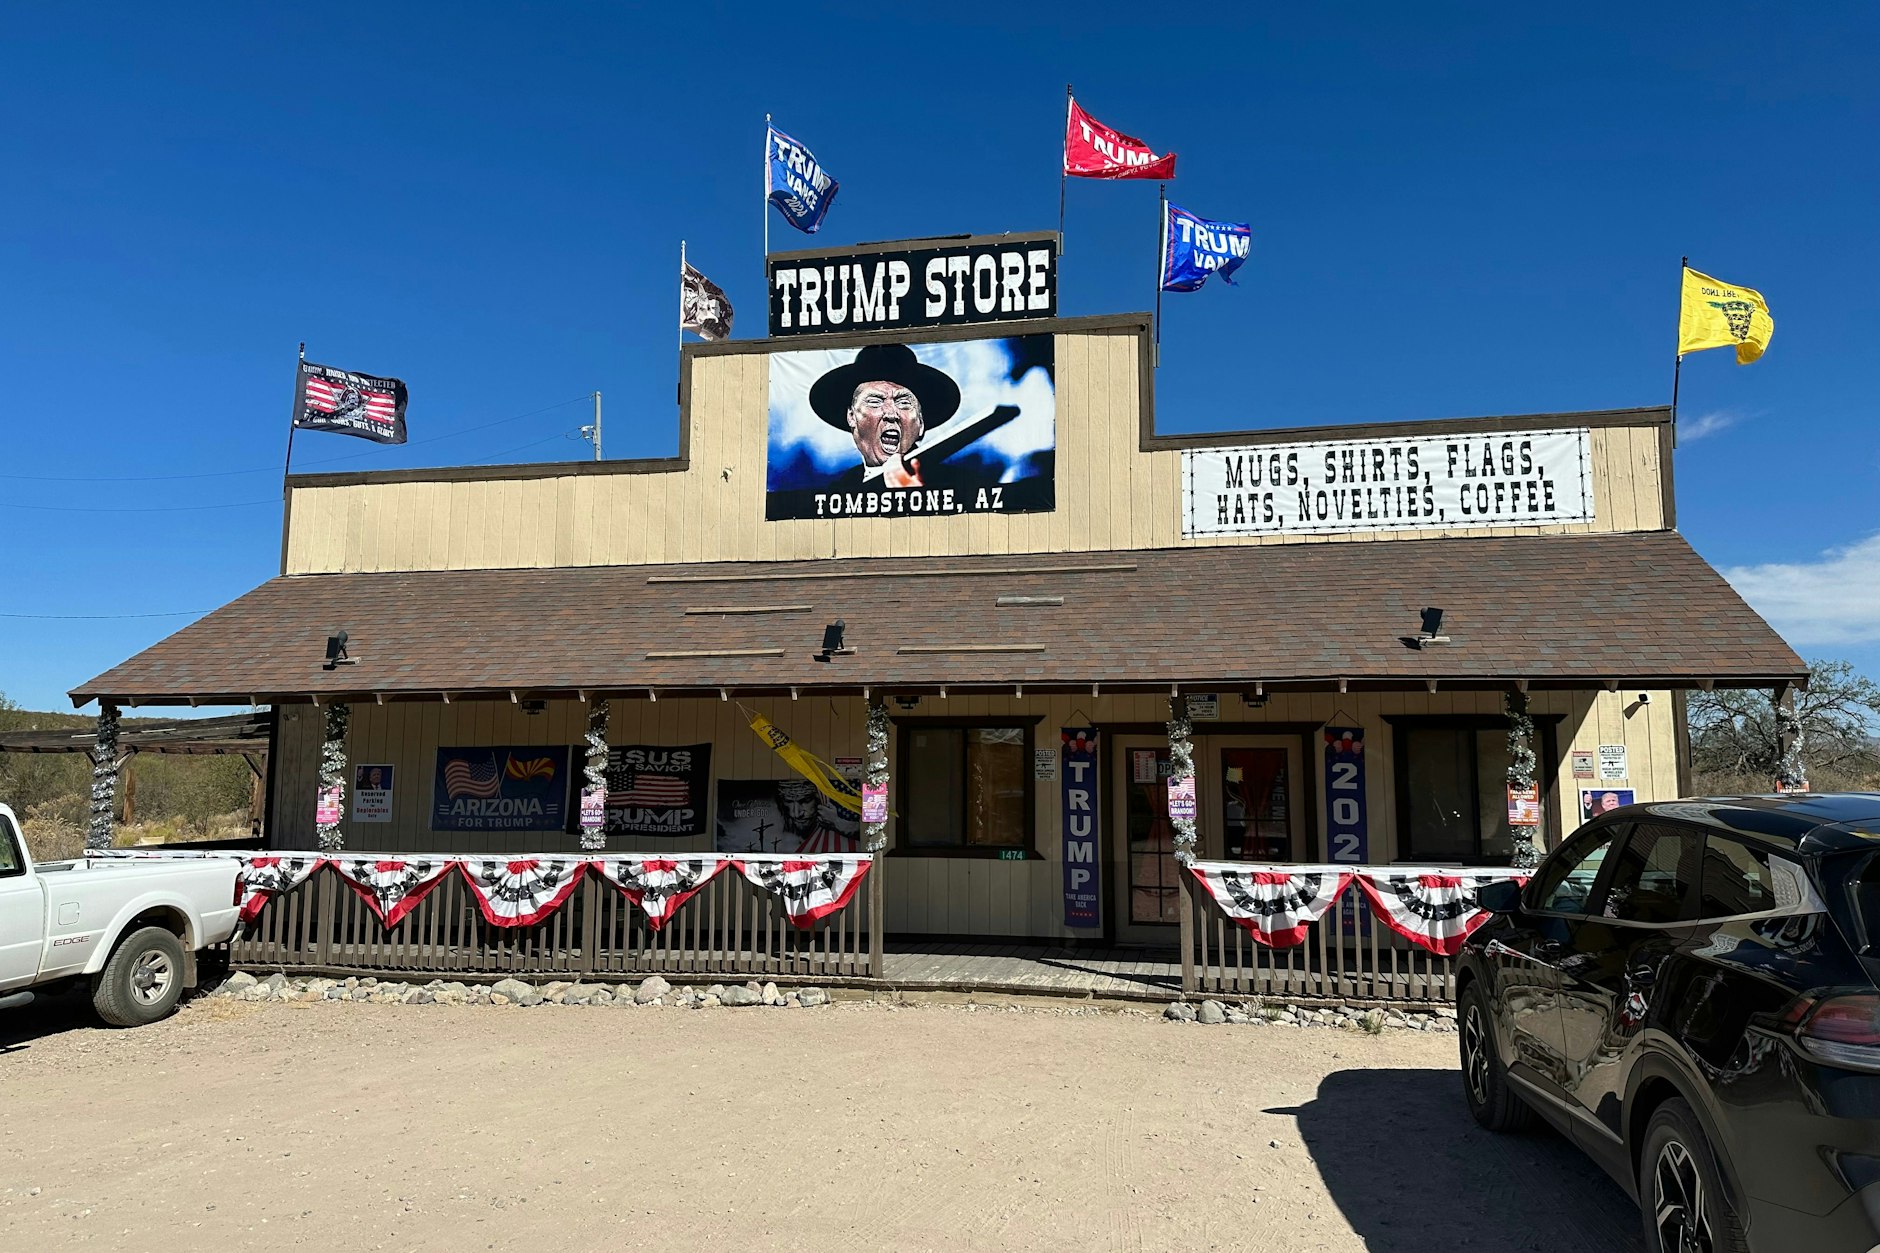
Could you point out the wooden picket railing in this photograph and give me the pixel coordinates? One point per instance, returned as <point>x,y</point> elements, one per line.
<point>1348,956</point>
<point>728,928</point>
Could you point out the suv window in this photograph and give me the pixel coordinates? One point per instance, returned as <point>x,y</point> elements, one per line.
<point>1736,879</point>
<point>1566,886</point>
<point>1654,874</point>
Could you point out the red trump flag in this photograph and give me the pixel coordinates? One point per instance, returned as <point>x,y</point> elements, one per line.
<point>1093,150</point>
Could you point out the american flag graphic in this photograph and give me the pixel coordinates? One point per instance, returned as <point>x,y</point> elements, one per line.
<point>655,791</point>
<point>345,403</point>
<point>327,396</point>
<point>479,779</point>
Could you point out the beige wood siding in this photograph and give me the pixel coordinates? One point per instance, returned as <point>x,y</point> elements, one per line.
<point>1110,493</point>
<point>953,896</point>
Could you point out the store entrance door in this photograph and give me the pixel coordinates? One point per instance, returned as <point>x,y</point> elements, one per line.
<point>1247,798</point>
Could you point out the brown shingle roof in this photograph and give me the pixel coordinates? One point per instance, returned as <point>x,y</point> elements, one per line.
<point>1555,610</point>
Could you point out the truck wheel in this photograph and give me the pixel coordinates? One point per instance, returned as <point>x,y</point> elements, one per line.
<point>1485,1089</point>
<point>1680,1189</point>
<point>143,980</point>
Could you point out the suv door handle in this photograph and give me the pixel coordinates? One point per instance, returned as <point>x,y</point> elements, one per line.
<point>1549,949</point>
<point>1642,976</point>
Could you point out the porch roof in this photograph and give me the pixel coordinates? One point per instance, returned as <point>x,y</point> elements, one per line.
<point>1551,610</point>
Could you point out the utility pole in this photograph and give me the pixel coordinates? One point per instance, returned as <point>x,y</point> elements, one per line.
<point>593,433</point>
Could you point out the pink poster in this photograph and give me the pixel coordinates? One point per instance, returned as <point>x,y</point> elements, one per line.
<point>874,802</point>
<point>1181,798</point>
<point>331,802</point>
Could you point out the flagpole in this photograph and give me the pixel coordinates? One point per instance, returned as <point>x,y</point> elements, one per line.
<point>288,464</point>
<point>765,202</point>
<point>1161,242</point>
<point>1069,99</point>
<point>682,293</point>
<point>1677,370</point>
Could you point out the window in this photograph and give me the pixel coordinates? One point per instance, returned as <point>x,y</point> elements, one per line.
<point>12,862</point>
<point>1452,787</point>
<point>1566,886</point>
<point>1654,875</point>
<point>966,787</point>
<point>1736,879</point>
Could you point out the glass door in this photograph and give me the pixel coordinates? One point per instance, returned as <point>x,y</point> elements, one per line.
<point>1147,899</point>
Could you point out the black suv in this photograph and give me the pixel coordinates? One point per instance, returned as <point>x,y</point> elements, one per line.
<point>1687,990</point>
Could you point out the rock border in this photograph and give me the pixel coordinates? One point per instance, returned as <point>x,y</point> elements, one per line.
<point>653,990</point>
<point>1257,1013</point>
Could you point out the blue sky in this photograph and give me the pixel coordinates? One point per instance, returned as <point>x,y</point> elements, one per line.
<point>1457,210</point>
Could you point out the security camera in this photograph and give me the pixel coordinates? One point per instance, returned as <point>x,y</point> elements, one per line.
<point>1644,698</point>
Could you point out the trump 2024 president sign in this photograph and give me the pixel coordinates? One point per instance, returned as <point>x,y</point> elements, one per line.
<point>1426,482</point>
<point>913,430</point>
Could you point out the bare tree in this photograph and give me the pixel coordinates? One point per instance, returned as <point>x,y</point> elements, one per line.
<point>1734,743</point>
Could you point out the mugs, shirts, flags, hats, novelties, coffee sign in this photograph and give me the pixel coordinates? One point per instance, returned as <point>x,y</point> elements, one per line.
<point>1195,248</point>
<point>796,182</point>
<point>345,403</point>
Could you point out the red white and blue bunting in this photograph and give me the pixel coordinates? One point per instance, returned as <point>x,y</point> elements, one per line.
<point>391,887</point>
<point>809,889</point>
<point>523,891</point>
<point>263,878</point>
<point>1433,908</point>
<point>1276,905</point>
<point>659,885</point>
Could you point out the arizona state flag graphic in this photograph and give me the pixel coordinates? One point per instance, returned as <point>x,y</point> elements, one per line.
<point>327,399</point>
<point>1715,314</point>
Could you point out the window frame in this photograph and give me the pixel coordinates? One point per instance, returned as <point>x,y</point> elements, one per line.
<point>1770,852</point>
<point>11,834</point>
<point>903,752</point>
<point>1614,834</point>
<point>1547,770</point>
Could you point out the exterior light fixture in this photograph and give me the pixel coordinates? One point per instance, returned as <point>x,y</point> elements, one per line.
<point>907,702</point>
<point>1432,632</point>
<point>336,651</point>
<point>532,708</point>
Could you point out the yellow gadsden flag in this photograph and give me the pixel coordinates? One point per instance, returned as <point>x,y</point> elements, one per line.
<point>1715,314</point>
<point>827,779</point>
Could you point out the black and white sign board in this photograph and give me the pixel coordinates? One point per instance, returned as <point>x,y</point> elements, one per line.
<point>1429,482</point>
<point>913,283</point>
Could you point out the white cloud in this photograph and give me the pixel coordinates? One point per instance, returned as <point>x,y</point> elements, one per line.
<point>1707,424</point>
<point>1833,600</point>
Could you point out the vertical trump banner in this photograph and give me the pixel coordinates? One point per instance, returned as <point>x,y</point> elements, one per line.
<point>1082,878</point>
<point>913,430</point>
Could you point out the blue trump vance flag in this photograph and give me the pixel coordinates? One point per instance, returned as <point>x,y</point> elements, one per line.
<point>796,183</point>
<point>1193,247</point>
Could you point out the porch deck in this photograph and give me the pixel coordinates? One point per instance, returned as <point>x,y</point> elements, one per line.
<point>1052,970</point>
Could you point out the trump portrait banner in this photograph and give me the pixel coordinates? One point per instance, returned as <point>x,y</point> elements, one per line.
<point>913,430</point>
<point>1193,248</point>
<point>787,816</point>
<point>522,787</point>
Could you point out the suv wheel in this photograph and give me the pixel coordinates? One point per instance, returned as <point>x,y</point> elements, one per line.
<point>1484,1079</point>
<point>1680,1189</point>
<point>143,980</point>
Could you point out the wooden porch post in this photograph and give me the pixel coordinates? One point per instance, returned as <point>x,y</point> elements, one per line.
<point>875,834</point>
<point>105,763</point>
<point>328,836</point>
<point>1791,771</point>
<point>1181,765</point>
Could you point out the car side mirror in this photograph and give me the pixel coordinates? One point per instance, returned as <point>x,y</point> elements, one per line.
<point>1500,897</point>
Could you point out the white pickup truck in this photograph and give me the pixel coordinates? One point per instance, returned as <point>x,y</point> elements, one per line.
<point>129,927</point>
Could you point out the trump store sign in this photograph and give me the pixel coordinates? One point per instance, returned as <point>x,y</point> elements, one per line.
<point>996,278</point>
<point>1429,482</point>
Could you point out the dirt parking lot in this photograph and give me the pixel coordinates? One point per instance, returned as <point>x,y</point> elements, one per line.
<point>854,1126</point>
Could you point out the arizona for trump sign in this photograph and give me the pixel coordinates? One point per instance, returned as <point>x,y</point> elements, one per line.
<point>519,787</point>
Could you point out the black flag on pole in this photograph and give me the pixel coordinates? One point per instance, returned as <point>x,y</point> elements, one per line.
<point>704,309</point>
<point>327,399</point>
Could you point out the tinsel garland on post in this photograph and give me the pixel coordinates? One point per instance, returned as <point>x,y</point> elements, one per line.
<point>1181,765</point>
<point>595,769</point>
<point>1791,771</point>
<point>1522,771</point>
<point>875,771</point>
<point>104,777</point>
<point>333,773</point>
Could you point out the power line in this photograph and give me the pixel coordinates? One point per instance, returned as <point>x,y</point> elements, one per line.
<point>223,474</point>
